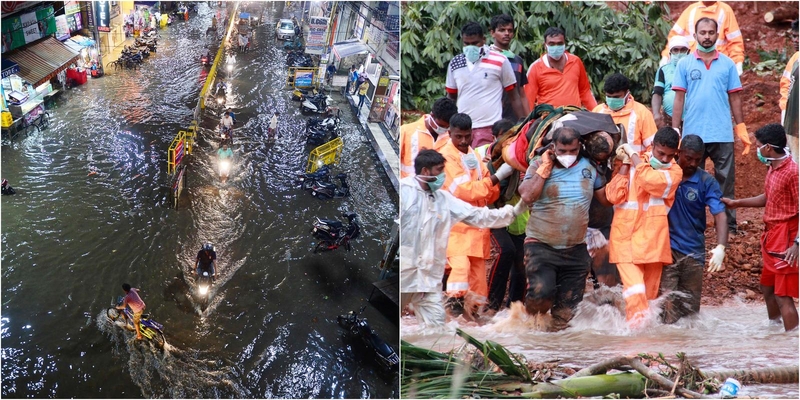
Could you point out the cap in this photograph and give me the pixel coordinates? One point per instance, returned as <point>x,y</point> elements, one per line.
<point>678,41</point>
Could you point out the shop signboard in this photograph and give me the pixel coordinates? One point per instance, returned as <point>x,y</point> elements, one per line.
<point>303,78</point>
<point>62,27</point>
<point>13,35</point>
<point>102,16</point>
<point>318,28</point>
<point>74,22</point>
<point>71,7</point>
<point>30,27</point>
<point>47,22</point>
<point>89,15</point>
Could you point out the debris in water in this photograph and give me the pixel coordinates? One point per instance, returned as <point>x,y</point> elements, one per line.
<point>91,173</point>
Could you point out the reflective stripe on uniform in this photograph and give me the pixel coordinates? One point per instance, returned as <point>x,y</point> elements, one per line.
<point>457,181</point>
<point>634,290</point>
<point>455,286</point>
<point>628,205</point>
<point>733,35</point>
<point>669,182</point>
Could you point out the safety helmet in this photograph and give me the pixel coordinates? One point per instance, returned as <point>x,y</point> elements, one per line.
<point>208,247</point>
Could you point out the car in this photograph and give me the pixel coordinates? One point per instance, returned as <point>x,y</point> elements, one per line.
<point>284,29</point>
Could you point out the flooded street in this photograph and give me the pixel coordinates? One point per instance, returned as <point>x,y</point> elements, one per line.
<point>732,336</point>
<point>92,211</point>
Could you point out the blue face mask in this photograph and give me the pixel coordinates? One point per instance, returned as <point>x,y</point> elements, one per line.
<point>674,58</point>
<point>435,184</point>
<point>473,53</point>
<point>555,52</point>
<point>615,103</point>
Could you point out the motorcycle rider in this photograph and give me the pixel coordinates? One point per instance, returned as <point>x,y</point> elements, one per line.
<point>206,261</point>
<point>136,304</point>
<point>224,153</point>
<point>227,125</point>
<point>233,116</point>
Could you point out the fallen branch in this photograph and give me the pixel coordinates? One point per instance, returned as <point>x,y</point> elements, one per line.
<point>661,380</point>
<point>757,375</point>
<point>601,367</point>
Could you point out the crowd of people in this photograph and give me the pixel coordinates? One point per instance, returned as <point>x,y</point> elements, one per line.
<point>627,210</point>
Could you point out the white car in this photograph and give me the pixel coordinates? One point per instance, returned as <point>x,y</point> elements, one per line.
<point>284,29</point>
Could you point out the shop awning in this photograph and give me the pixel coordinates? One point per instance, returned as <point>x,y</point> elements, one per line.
<point>9,68</point>
<point>41,61</point>
<point>73,45</point>
<point>348,48</point>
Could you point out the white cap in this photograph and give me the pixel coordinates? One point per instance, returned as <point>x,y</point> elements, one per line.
<point>678,41</point>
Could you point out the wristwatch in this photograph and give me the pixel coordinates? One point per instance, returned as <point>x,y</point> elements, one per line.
<point>797,240</point>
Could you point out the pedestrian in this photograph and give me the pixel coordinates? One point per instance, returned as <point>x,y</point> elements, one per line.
<point>707,91</point>
<point>428,214</point>
<point>468,179</point>
<point>362,95</point>
<point>731,42</point>
<point>663,95</point>
<point>558,78</point>
<point>639,241</point>
<point>502,30</point>
<point>789,103</point>
<point>625,110</point>
<point>137,306</point>
<point>352,76</point>
<point>779,242</point>
<point>682,281</point>
<point>273,126</point>
<point>329,72</point>
<point>477,79</point>
<point>559,187</point>
<point>425,133</point>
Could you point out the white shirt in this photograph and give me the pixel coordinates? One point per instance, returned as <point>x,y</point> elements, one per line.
<point>273,123</point>
<point>227,121</point>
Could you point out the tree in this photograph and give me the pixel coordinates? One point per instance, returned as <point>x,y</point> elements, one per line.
<point>626,39</point>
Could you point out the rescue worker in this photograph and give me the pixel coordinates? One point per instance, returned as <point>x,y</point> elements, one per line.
<point>640,127</point>
<point>424,132</point>
<point>789,97</point>
<point>730,40</point>
<point>643,191</point>
<point>428,214</point>
<point>469,180</point>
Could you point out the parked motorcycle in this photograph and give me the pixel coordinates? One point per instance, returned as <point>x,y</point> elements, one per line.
<point>149,328</point>
<point>358,327</point>
<point>308,179</point>
<point>316,104</point>
<point>329,124</point>
<point>329,190</point>
<point>299,94</point>
<point>332,233</point>
<point>317,137</point>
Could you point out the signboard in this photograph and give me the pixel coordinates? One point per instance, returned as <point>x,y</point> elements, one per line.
<point>89,15</point>
<point>317,32</point>
<point>303,78</point>
<point>30,27</point>
<point>10,7</point>
<point>62,27</point>
<point>339,80</point>
<point>74,22</point>
<point>71,7</point>
<point>13,36</point>
<point>47,23</point>
<point>102,16</point>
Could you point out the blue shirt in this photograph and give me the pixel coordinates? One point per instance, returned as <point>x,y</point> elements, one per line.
<point>664,77</point>
<point>560,215</point>
<point>687,217</point>
<point>706,110</point>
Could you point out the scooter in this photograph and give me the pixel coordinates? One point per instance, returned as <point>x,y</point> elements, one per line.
<point>301,94</point>
<point>318,137</point>
<point>225,134</point>
<point>205,59</point>
<point>358,327</point>
<point>329,190</point>
<point>329,124</point>
<point>317,104</point>
<point>308,179</point>
<point>149,328</point>
<point>221,93</point>
<point>332,233</point>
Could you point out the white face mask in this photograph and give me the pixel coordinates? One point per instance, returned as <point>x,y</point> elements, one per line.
<point>567,160</point>
<point>470,160</point>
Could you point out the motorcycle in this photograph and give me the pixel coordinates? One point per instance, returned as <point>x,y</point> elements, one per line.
<point>225,134</point>
<point>358,327</point>
<point>329,190</point>
<point>229,63</point>
<point>318,137</point>
<point>221,93</point>
<point>149,328</point>
<point>301,94</point>
<point>332,233</point>
<point>308,179</point>
<point>316,104</point>
<point>205,59</point>
<point>329,124</point>
<point>224,169</point>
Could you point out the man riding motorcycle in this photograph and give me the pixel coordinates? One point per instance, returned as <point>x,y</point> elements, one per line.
<point>227,126</point>
<point>206,261</point>
<point>224,155</point>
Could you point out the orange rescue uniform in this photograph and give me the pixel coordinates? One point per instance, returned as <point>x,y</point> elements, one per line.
<point>730,41</point>
<point>547,85</point>
<point>639,240</point>
<point>468,247</point>
<point>415,137</point>
<point>640,127</point>
<point>786,80</point>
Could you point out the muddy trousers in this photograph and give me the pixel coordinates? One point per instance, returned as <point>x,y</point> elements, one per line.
<point>722,155</point>
<point>556,280</point>
<point>467,274</point>
<point>501,268</point>
<point>639,283</point>
<point>682,283</point>
<point>428,307</point>
<point>518,280</point>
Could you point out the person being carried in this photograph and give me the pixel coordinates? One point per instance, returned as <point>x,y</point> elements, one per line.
<point>779,242</point>
<point>206,261</point>
<point>137,306</point>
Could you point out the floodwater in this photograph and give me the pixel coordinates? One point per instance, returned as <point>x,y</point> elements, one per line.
<point>92,211</point>
<point>733,336</point>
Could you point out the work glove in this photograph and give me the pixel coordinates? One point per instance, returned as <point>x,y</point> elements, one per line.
<point>741,132</point>
<point>546,166</point>
<point>504,171</point>
<point>739,69</point>
<point>717,256</point>
<point>622,156</point>
<point>628,149</point>
<point>664,61</point>
<point>520,207</point>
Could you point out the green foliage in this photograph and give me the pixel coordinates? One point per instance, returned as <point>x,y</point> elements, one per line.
<point>606,40</point>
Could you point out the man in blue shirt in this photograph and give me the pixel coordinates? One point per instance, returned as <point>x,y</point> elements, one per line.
<point>683,280</point>
<point>707,90</point>
<point>663,95</point>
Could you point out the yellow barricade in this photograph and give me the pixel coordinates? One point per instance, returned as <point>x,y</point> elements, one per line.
<point>328,153</point>
<point>212,74</point>
<point>178,149</point>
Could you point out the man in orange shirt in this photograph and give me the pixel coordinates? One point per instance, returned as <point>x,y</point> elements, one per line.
<point>424,133</point>
<point>468,179</point>
<point>730,40</point>
<point>558,78</point>
<point>640,126</point>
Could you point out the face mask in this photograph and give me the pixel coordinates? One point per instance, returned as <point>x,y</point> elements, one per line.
<point>674,58</point>
<point>470,160</point>
<point>436,128</point>
<point>706,49</point>
<point>766,160</point>
<point>616,103</point>
<point>555,52</point>
<point>567,160</point>
<point>433,185</point>
<point>473,53</point>
<point>658,164</point>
